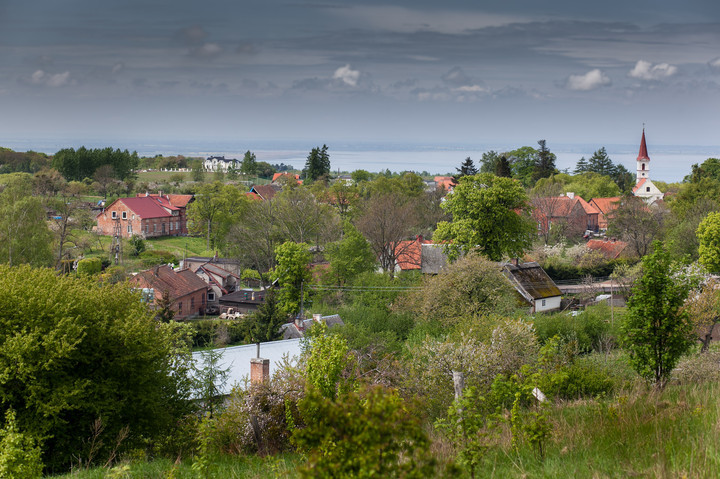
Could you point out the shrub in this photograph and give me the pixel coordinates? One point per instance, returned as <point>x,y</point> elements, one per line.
<point>156,257</point>
<point>588,328</point>
<point>89,266</point>
<point>19,454</point>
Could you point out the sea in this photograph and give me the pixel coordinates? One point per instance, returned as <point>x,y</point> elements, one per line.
<point>669,163</point>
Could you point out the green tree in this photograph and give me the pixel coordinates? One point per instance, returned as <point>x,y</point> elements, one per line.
<point>489,161</point>
<point>544,163</point>
<point>164,311</point>
<point>708,233</point>
<point>369,433</point>
<point>636,223</point>
<point>215,209</point>
<point>466,168</point>
<point>24,234</point>
<point>502,168</point>
<point>657,330</point>
<point>592,185</point>
<point>522,161</point>
<point>198,171</point>
<point>292,272</point>
<point>327,359</point>
<point>581,166</point>
<point>318,164</point>
<point>601,163</point>
<point>73,351</point>
<point>249,165</point>
<point>350,256</point>
<point>488,217</point>
<point>19,453</point>
<point>266,322</point>
<point>709,169</point>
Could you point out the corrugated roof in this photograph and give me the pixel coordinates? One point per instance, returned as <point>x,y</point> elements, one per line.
<point>533,280</point>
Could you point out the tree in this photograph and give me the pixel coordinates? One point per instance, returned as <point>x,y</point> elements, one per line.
<point>164,311</point>
<point>682,227</point>
<point>302,219</point>
<point>544,163</point>
<point>215,209</point>
<point>318,164</point>
<point>545,199</point>
<point>104,176</point>
<point>601,163</point>
<point>657,330</point>
<point>637,223</point>
<point>350,256</point>
<point>19,453</point>
<point>592,185</point>
<point>708,233</point>
<point>489,162</point>
<point>387,221</point>
<point>522,161</point>
<point>74,351</point>
<point>466,168</point>
<point>198,171</point>
<point>292,273</point>
<point>488,217</point>
<point>249,165</point>
<point>24,234</point>
<point>581,166</point>
<point>266,322</point>
<point>502,168</point>
<point>369,433</point>
<point>703,307</point>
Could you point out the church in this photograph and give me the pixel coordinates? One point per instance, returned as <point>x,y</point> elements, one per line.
<point>644,188</point>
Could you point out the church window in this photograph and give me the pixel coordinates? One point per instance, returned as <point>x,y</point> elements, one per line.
<point>647,188</point>
<point>643,166</point>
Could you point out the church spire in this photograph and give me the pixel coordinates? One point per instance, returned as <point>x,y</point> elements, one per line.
<point>643,155</point>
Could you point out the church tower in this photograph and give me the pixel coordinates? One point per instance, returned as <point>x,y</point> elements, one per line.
<point>643,160</point>
<point>644,188</point>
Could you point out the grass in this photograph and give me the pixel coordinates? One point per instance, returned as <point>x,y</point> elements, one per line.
<point>230,467</point>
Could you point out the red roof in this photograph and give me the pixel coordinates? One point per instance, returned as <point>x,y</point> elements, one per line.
<point>606,205</point>
<point>145,207</point>
<point>445,181</point>
<point>639,184</point>
<point>265,192</point>
<point>290,176</point>
<point>643,154</point>
<point>612,249</point>
<point>164,278</point>
<point>409,253</point>
<point>589,209</point>
<point>180,201</point>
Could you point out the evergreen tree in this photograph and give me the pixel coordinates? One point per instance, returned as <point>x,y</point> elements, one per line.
<point>163,306</point>
<point>317,164</point>
<point>601,163</point>
<point>581,166</point>
<point>502,168</point>
<point>623,178</point>
<point>545,162</point>
<point>249,164</point>
<point>467,168</point>
<point>266,322</point>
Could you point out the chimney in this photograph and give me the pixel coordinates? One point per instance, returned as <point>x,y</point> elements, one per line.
<point>259,370</point>
<point>317,318</point>
<point>515,261</point>
<point>570,195</point>
<point>299,323</point>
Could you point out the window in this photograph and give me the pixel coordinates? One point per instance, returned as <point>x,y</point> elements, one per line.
<point>647,188</point>
<point>177,225</point>
<point>643,166</point>
<point>180,307</point>
<point>192,303</point>
<point>154,227</point>
<point>129,229</point>
<point>211,296</point>
<point>543,302</point>
<point>147,228</point>
<point>171,225</point>
<point>114,214</point>
<point>124,215</point>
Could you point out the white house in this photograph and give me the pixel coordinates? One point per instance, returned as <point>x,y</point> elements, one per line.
<point>534,284</point>
<point>220,163</point>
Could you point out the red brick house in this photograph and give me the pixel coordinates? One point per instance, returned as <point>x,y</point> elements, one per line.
<point>148,216</point>
<point>605,206</point>
<point>572,213</point>
<point>188,293</point>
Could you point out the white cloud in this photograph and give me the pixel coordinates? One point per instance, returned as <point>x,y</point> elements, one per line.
<point>589,81</point>
<point>644,70</point>
<point>714,64</point>
<point>471,89</point>
<point>347,75</point>
<point>206,50</point>
<point>40,77</point>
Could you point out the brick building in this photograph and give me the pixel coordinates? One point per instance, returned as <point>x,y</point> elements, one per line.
<point>188,293</point>
<point>148,216</point>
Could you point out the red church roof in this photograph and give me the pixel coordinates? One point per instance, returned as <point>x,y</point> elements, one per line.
<point>643,154</point>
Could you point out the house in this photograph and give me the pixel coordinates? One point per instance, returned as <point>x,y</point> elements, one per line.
<point>534,285</point>
<point>570,212</point>
<point>297,328</point>
<point>432,258</point>
<point>188,293</point>
<point>447,182</point>
<point>285,178</point>
<point>408,254</point>
<point>220,281</point>
<point>220,163</point>
<point>605,206</point>
<point>610,248</point>
<point>265,192</point>
<point>148,216</point>
<point>243,300</point>
<point>644,188</point>
<point>228,264</point>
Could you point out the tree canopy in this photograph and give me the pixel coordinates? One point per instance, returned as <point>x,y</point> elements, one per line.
<point>487,217</point>
<point>82,163</point>
<point>317,164</point>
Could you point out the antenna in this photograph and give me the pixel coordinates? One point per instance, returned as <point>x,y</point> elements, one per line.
<point>116,246</point>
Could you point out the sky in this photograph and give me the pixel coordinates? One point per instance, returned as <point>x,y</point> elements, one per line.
<point>324,71</point>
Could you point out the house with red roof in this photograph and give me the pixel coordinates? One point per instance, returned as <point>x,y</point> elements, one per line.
<point>264,192</point>
<point>408,253</point>
<point>148,216</point>
<point>570,212</point>
<point>219,280</point>
<point>611,248</point>
<point>187,292</point>
<point>605,206</point>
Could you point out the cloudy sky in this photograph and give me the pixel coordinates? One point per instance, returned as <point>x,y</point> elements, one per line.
<point>399,70</point>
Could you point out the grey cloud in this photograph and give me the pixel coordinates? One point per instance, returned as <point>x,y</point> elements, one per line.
<point>191,36</point>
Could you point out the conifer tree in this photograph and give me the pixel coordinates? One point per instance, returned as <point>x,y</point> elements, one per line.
<point>581,166</point>
<point>467,168</point>
<point>502,168</point>
<point>317,164</point>
<point>544,163</point>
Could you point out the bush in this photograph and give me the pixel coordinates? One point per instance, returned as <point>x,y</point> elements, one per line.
<point>156,257</point>
<point>89,266</point>
<point>590,328</point>
<point>19,454</point>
